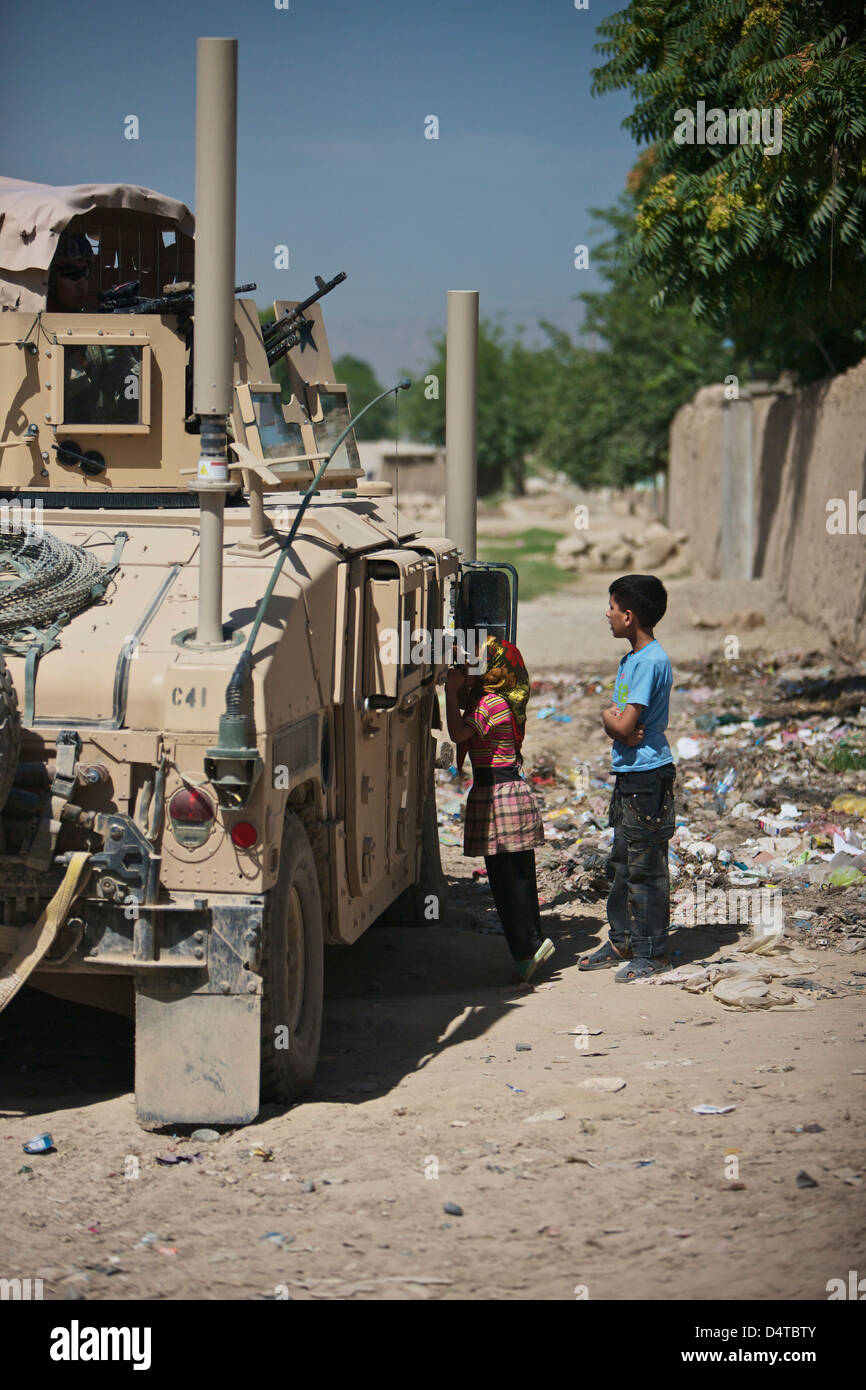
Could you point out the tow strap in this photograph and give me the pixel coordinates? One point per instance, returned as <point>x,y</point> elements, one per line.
<point>43,935</point>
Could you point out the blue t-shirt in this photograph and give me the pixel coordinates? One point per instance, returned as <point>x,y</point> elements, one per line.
<point>644,678</point>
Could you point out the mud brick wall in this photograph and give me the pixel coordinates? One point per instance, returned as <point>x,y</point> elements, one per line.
<point>751,480</point>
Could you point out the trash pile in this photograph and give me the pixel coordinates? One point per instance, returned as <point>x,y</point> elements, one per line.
<point>771,794</point>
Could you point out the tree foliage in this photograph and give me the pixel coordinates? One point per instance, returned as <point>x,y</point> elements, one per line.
<point>364,386</point>
<point>512,381</point>
<point>609,409</point>
<point>768,247</point>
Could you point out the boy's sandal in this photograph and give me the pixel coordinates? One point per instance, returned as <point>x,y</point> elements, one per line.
<point>640,969</point>
<point>602,959</point>
<point>525,969</point>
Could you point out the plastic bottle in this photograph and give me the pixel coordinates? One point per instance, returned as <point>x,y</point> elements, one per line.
<point>723,788</point>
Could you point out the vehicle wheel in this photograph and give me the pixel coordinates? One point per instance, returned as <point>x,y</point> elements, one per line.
<point>10,733</point>
<point>292,971</point>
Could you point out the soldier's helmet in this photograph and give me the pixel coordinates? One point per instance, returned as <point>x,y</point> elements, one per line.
<point>72,265</point>
<point>73,246</point>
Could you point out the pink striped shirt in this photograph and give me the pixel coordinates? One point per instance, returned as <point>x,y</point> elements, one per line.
<point>493,745</point>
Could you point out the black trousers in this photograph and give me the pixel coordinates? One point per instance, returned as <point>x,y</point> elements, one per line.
<point>642,813</point>
<point>515,893</point>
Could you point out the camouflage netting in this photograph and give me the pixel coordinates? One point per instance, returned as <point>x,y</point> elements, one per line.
<point>43,579</point>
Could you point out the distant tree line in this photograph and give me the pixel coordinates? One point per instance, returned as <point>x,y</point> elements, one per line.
<point>723,258</point>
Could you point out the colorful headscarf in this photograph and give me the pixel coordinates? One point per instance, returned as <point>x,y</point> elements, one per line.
<point>505,674</point>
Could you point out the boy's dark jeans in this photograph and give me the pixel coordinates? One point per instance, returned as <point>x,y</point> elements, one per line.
<point>642,814</point>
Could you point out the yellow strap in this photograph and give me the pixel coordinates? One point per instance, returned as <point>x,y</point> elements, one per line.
<point>16,971</point>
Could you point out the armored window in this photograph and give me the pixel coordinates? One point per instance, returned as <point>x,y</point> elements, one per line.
<point>279,437</point>
<point>329,419</point>
<point>101,385</point>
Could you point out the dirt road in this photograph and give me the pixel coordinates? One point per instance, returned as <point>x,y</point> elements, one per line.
<point>440,1083</point>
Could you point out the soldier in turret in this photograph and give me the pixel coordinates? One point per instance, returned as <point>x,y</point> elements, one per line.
<point>101,383</point>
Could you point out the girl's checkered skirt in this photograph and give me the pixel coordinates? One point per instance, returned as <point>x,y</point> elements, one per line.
<point>502,819</point>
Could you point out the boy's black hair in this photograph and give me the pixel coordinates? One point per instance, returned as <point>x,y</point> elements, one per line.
<point>645,595</point>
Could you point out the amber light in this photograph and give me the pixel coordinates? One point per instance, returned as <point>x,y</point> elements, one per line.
<point>191,807</point>
<point>244,835</point>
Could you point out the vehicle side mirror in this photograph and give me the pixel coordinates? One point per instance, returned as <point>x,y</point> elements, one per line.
<point>488,600</point>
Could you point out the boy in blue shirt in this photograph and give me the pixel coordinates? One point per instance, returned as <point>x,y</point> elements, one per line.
<point>642,805</point>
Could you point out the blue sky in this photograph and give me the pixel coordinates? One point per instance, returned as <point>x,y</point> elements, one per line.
<point>332,159</point>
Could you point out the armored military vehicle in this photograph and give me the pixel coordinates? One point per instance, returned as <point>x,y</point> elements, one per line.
<point>197,795</point>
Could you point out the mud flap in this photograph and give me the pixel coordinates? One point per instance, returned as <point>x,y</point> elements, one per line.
<point>196,1057</point>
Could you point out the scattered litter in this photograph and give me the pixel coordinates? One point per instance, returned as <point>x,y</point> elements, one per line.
<point>42,1144</point>
<point>523,1047</point>
<point>713,1109</point>
<point>278,1239</point>
<point>770,799</point>
<point>169,1160</point>
<point>846,878</point>
<point>688,747</point>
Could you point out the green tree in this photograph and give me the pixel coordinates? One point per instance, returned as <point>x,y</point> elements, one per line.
<point>364,386</point>
<point>511,380</point>
<point>608,411</point>
<point>768,247</point>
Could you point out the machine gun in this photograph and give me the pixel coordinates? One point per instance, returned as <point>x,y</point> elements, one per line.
<point>287,332</point>
<point>180,299</point>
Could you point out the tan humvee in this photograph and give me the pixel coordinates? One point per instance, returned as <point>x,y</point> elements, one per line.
<point>162,848</point>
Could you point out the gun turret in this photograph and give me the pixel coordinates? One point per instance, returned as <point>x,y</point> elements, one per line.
<point>179,299</point>
<point>286,332</point>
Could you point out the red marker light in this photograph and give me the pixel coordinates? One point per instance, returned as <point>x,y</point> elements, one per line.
<point>191,807</point>
<point>244,835</point>
<point>191,814</point>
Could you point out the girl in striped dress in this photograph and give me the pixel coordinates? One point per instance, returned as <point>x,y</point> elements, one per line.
<point>502,819</point>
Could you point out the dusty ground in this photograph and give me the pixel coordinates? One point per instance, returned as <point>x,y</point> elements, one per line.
<point>420,1068</point>
<point>424,1097</point>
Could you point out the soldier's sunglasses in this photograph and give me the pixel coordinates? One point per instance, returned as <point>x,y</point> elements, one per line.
<point>74,272</point>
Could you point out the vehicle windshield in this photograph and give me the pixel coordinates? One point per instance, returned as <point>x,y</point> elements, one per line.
<point>278,438</point>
